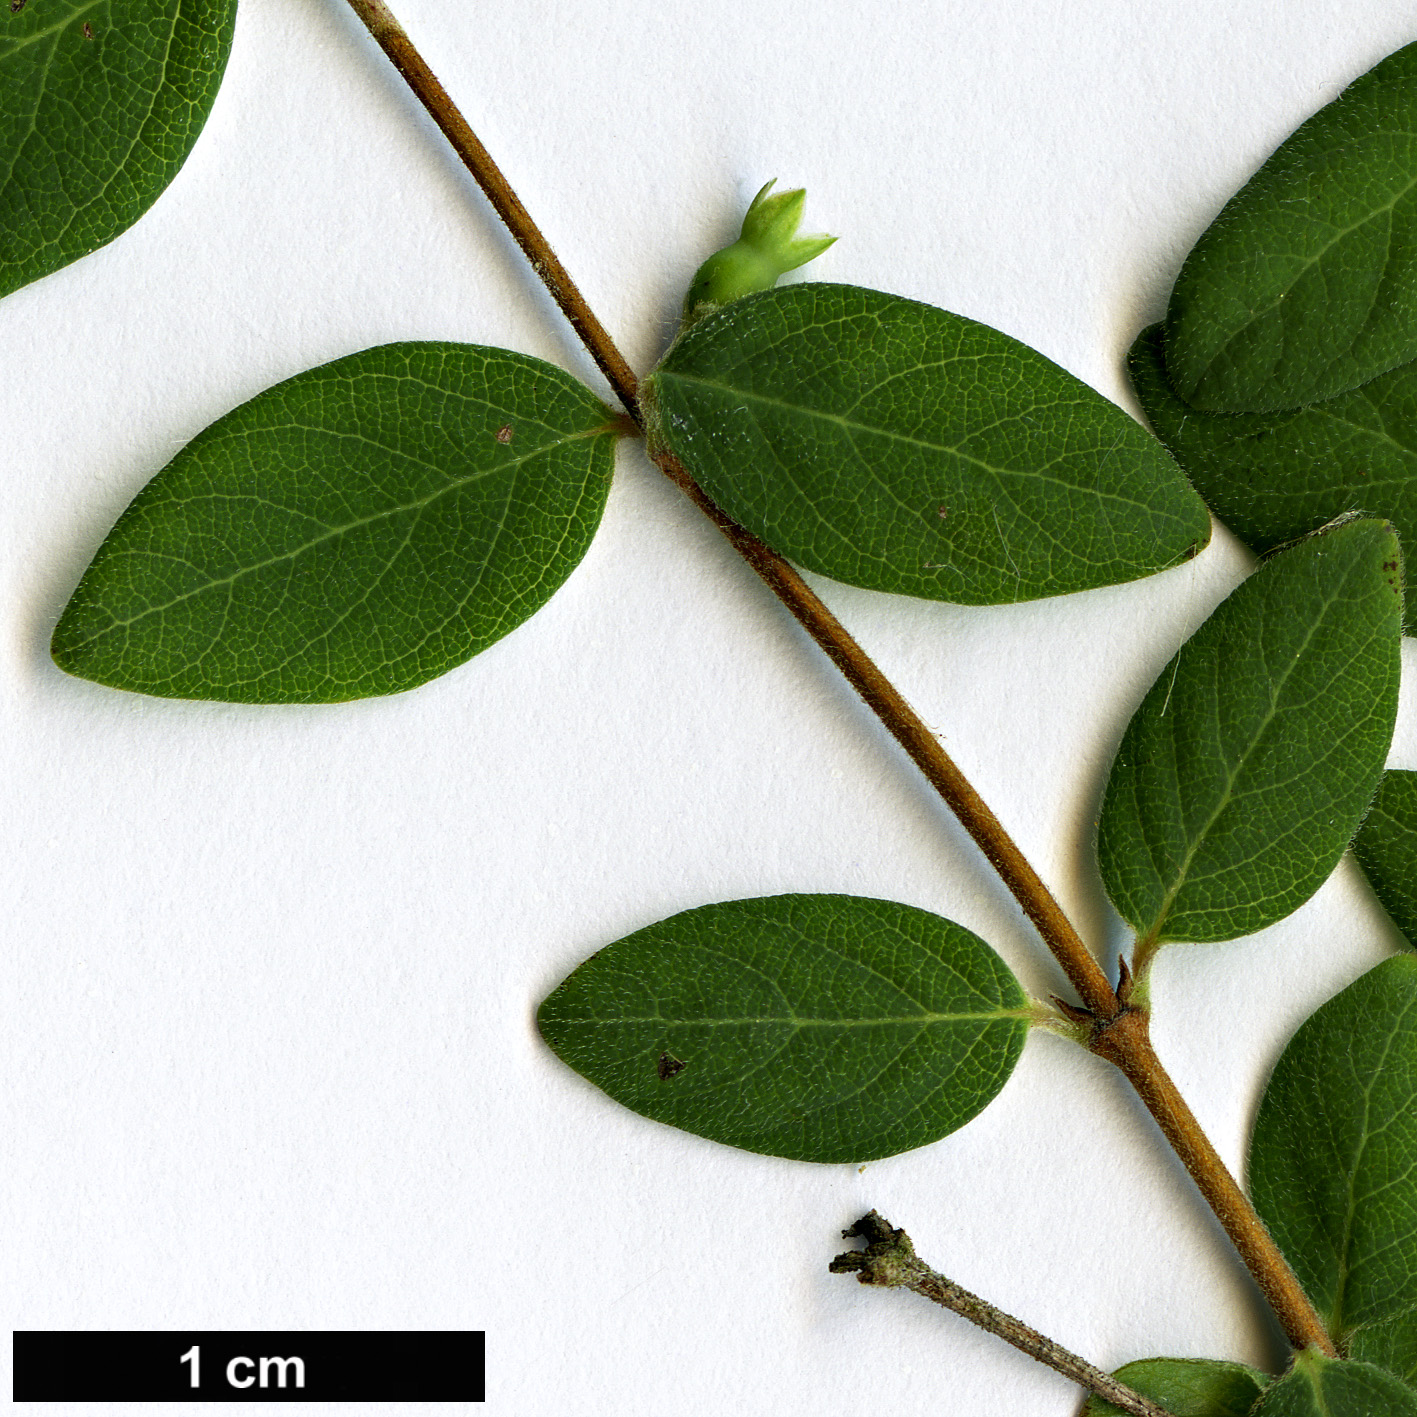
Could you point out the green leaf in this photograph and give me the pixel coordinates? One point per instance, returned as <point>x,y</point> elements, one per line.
<point>817,1027</point>
<point>1274,477</point>
<point>100,103</point>
<point>1333,1159</point>
<point>1188,1387</point>
<point>1386,848</point>
<point>1305,285</point>
<point>1391,1345</point>
<point>1245,772</point>
<point>1321,1387</point>
<point>895,446</point>
<point>359,529</point>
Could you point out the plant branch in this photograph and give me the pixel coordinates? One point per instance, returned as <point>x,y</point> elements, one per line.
<point>889,1260</point>
<point>922,747</point>
<point>879,693</point>
<point>1117,1029</point>
<point>1126,1042</point>
<point>395,43</point>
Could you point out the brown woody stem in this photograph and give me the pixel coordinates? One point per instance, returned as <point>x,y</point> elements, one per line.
<point>889,1260</point>
<point>1118,1031</point>
<point>380,22</point>
<point>1126,1041</point>
<point>923,748</point>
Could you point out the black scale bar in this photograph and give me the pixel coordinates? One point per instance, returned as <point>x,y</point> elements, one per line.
<point>249,1367</point>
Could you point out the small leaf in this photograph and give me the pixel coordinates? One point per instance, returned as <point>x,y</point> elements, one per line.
<point>1188,1387</point>
<point>100,104</point>
<point>359,529</point>
<point>1333,1159</point>
<point>1245,772</point>
<point>1305,285</point>
<point>1274,477</point>
<point>1391,1344</point>
<point>1386,848</point>
<point>895,446</point>
<point>817,1027</point>
<point>1320,1387</point>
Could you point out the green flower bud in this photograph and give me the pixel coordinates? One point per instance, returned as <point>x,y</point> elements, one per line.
<point>767,248</point>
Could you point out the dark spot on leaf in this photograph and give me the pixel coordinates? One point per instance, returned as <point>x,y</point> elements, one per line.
<point>1389,565</point>
<point>1193,550</point>
<point>88,30</point>
<point>668,1066</point>
<point>16,6</point>
<point>944,511</point>
<point>504,433</point>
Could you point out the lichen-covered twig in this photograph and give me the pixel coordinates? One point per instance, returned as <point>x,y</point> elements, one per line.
<point>889,1260</point>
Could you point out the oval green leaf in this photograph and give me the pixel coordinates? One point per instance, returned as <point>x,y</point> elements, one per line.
<point>895,446</point>
<point>359,529</point>
<point>1188,1387</point>
<point>100,103</point>
<point>1274,477</point>
<point>1391,1345</point>
<point>1333,1158</point>
<point>1245,772</point>
<point>816,1027</point>
<point>1305,285</point>
<point>1386,848</point>
<point>1320,1387</point>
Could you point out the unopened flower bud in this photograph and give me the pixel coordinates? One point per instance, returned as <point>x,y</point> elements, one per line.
<point>767,248</point>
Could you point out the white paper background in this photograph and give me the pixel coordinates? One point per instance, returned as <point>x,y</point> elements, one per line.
<point>272,972</point>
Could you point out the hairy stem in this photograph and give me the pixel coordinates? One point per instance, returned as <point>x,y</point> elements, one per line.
<point>1117,1030</point>
<point>889,1260</point>
<point>1126,1042</point>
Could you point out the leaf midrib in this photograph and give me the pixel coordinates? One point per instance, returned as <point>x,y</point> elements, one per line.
<point>1153,934</point>
<point>1322,411</point>
<point>797,1021</point>
<point>417,505</point>
<point>853,426</point>
<point>1308,264</point>
<point>1320,1399</point>
<point>1344,1264</point>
